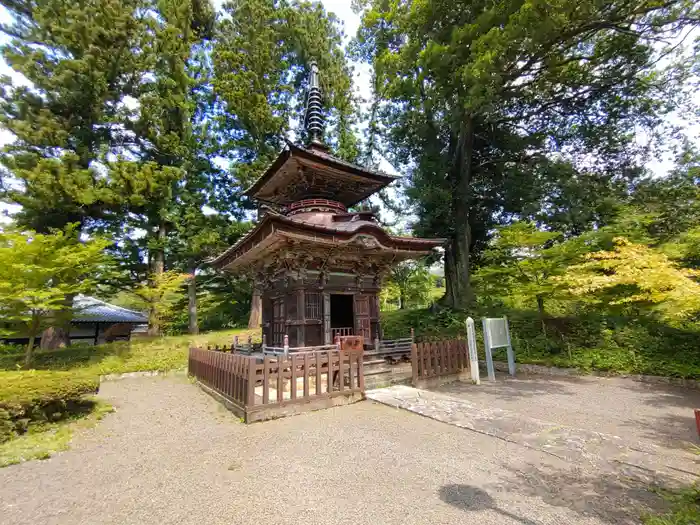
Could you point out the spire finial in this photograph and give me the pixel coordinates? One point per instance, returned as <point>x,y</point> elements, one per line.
<point>314,121</point>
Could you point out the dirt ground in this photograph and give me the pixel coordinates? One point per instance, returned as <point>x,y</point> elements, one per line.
<point>172,455</point>
<point>660,415</point>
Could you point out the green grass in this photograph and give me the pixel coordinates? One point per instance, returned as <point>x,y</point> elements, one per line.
<point>632,345</point>
<point>157,353</point>
<point>685,508</point>
<point>41,441</point>
<point>35,404</point>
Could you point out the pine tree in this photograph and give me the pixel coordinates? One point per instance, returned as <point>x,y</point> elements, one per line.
<point>78,59</point>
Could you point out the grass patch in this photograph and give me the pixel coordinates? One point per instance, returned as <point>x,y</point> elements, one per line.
<point>623,345</point>
<point>55,389</point>
<point>156,353</point>
<point>42,440</point>
<point>685,508</point>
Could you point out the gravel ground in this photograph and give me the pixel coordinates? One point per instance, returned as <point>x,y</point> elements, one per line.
<point>172,455</point>
<point>661,415</point>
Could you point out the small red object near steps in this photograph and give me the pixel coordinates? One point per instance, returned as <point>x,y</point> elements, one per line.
<point>697,420</point>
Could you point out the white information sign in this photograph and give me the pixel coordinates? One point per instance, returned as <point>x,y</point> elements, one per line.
<point>497,335</point>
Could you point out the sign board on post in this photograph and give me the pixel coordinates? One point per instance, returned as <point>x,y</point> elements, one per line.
<point>473,357</point>
<point>497,335</point>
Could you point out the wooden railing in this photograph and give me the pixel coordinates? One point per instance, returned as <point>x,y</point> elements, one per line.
<point>265,388</point>
<point>231,375</point>
<point>393,350</point>
<point>341,332</point>
<point>442,358</point>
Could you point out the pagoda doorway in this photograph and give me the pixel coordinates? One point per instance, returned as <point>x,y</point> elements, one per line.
<point>342,314</point>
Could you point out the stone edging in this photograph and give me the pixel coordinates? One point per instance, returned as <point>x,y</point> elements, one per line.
<point>555,371</point>
<point>145,373</point>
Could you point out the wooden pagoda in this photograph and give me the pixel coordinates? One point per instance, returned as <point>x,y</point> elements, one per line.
<point>317,266</point>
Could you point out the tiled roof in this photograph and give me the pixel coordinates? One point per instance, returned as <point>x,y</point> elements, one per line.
<point>90,310</point>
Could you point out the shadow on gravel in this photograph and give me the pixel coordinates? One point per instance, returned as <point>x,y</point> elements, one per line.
<point>664,396</point>
<point>473,499</point>
<point>503,388</point>
<point>671,431</point>
<point>613,497</point>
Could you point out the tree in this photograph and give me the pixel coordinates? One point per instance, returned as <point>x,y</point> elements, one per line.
<point>160,294</point>
<point>525,261</point>
<point>261,59</point>
<point>475,95</point>
<point>413,282</point>
<point>38,271</point>
<point>635,274</point>
<point>79,65</point>
<point>163,191</point>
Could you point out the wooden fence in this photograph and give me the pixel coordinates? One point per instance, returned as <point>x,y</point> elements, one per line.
<point>264,388</point>
<point>440,359</point>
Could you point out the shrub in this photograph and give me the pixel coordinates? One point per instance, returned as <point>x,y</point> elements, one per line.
<point>31,397</point>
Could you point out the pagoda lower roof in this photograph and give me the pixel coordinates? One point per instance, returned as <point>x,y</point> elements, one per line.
<point>301,173</point>
<point>275,232</point>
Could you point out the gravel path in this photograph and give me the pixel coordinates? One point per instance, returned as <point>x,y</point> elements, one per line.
<point>661,415</point>
<point>171,455</point>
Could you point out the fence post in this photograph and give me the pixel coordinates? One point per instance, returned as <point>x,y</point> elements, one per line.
<point>252,373</point>
<point>286,344</point>
<point>337,342</point>
<point>509,350</point>
<point>414,362</point>
<point>235,342</point>
<point>413,335</point>
<point>263,343</point>
<point>489,356</point>
<point>473,356</point>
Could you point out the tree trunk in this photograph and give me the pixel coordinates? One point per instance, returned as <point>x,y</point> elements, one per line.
<point>33,329</point>
<point>192,303</point>
<point>255,319</point>
<point>29,352</point>
<point>54,337</point>
<point>159,257</point>
<point>57,335</point>
<point>540,310</point>
<point>402,300</point>
<point>458,288</point>
<point>158,269</point>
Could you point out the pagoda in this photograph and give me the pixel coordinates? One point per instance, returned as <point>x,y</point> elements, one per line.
<point>318,266</point>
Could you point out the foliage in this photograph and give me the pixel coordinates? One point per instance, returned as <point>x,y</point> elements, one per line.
<point>524,260</point>
<point>38,272</point>
<point>160,296</point>
<point>636,274</point>
<point>590,341</point>
<point>41,396</point>
<point>42,440</point>
<point>409,284</point>
<point>79,63</point>
<point>476,96</point>
<point>261,59</point>
<point>685,508</point>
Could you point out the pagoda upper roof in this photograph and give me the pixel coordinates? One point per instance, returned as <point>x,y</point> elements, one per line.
<point>302,173</point>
